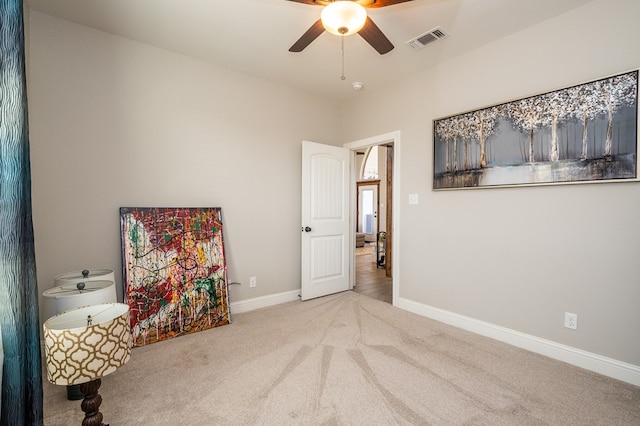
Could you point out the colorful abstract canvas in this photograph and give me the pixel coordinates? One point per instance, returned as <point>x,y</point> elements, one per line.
<point>174,271</point>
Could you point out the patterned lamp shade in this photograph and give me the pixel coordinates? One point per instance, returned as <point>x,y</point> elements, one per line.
<point>87,343</point>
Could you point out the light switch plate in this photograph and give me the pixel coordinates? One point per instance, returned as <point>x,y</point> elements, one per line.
<point>413,199</point>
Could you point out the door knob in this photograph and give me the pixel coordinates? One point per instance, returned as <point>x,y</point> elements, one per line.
<point>307,229</point>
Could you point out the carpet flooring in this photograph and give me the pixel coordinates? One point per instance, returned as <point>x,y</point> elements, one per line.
<point>347,359</point>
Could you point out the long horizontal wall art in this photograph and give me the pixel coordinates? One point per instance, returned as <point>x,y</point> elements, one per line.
<point>583,133</point>
<point>174,271</point>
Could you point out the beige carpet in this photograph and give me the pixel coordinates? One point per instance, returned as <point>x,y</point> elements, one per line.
<point>347,360</point>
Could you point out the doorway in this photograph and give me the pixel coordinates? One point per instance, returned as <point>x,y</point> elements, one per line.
<point>372,278</point>
<point>373,273</point>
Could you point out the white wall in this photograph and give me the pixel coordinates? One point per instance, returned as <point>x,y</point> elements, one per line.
<point>118,123</point>
<point>519,257</point>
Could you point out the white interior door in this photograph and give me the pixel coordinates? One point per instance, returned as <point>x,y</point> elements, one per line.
<point>325,220</point>
<point>368,211</point>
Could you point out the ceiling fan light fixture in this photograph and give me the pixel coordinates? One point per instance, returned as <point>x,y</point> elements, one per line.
<point>343,17</point>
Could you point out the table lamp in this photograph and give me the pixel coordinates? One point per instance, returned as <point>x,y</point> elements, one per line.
<point>76,289</point>
<point>85,344</point>
<point>69,296</point>
<point>79,288</point>
<point>84,275</point>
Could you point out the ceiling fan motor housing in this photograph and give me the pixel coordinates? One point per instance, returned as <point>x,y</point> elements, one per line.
<point>343,17</point>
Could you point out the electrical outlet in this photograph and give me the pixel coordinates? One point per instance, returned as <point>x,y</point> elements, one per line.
<point>252,282</point>
<point>571,320</point>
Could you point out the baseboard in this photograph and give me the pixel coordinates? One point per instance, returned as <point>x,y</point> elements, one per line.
<point>263,301</point>
<point>606,366</point>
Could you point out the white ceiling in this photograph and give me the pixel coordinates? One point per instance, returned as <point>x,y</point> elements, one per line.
<point>254,36</point>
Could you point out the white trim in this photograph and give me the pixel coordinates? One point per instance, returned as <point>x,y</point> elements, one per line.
<point>606,366</point>
<point>393,137</point>
<point>263,301</point>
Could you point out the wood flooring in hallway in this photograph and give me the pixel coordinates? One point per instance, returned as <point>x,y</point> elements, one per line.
<point>370,280</point>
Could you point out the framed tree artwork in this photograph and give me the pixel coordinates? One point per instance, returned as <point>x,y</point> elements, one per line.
<point>174,271</point>
<point>583,133</point>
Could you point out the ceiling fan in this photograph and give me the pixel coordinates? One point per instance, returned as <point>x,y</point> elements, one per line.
<point>369,31</point>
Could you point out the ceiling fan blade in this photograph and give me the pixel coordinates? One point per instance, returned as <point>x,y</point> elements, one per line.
<point>374,36</point>
<point>311,2</point>
<point>376,3</point>
<point>312,33</point>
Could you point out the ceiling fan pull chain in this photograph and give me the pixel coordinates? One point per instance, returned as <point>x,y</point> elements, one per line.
<point>342,76</point>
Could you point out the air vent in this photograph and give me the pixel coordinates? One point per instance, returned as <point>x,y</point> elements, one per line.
<point>427,38</point>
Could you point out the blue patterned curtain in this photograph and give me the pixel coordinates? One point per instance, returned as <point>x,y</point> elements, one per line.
<point>22,374</point>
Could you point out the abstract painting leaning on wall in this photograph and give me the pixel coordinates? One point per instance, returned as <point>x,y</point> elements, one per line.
<point>174,271</point>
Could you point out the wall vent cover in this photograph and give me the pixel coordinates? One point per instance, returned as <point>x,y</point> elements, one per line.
<point>427,38</point>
